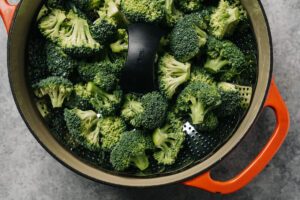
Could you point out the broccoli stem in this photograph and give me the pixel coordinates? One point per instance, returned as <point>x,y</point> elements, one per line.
<point>141,161</point>
<point>202,36</point>
<point>159,136</point>
<point>197,111</point>
<point>119,46</point>
<point>215,65</point>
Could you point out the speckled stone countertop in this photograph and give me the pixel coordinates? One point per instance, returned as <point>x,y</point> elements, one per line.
<point>29,172</point>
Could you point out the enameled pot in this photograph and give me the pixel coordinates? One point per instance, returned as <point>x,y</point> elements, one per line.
<point>18,18</point>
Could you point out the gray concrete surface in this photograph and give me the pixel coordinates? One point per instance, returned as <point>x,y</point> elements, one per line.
<point>27,171</point>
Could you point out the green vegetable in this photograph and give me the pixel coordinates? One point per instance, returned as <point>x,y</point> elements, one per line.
<point>57,88</point>
<point>189,6</point>
<point>169,140</point>
<point>84,127</point>
<point>59,63</point>
<point>131,151</point>
<point>147,112</point>
<point>79,98</point>
<point>196,100</point>
<point>143,11</point>
<point>173,15</point>
<point>188,37</point>
<point>111,129</point>
<point>55,3</point>
<point>121,45</point>
<point>87,5</point>
<point>104,103</point>
<point>224,19</point>
<point>172,74</point>
<point>225,57</point>
<point>210,123</point>
<point>200,75</point>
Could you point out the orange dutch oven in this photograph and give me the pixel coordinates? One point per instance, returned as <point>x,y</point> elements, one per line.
<point>17,20</point>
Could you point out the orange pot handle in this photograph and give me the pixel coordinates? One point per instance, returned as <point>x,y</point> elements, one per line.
<point>275,102</point>
<point>7,12</point>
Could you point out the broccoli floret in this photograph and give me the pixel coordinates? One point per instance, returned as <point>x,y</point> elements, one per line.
<point>189,6</point>
<point>57,88</point>
<point>131,151</point>
<point>59,63</point>
<point>169,140</point>
<point>224,19</point>
<point>85,127</point>
<point>50,25</point>
<point>106,80</point>
<point>196,100</point>
<point>147,112</point>
<point>104,103</point>
<point>111,129</point>
<point>88,70</point>
<point>75,37</point>
<point>43,12</point>
<point>87,5</point>
<point>233,96</point>
<point>173,15</point>
<point>121,45</point>
<point>36,58</point>
<point>200,75</point>
<point>172,74</point>
<point>43,107</point>
<point>143,11</point>
<point>105,28</point>
<point>231,99</point>
<point>55,4</point>
<point>221,54</point>
<point>188,37</point>
<point>57,123</point>
<point>209,124</point>
<point>79,98</point>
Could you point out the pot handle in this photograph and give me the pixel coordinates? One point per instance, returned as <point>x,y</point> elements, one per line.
<point>7,12</point>
<point>275,102</point>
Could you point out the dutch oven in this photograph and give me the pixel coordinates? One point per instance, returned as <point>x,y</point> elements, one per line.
<point>18,19</point>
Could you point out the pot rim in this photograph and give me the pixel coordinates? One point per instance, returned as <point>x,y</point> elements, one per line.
<point>138,186</point>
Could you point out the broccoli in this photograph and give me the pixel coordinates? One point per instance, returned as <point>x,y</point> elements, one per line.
<point>188,37</point>
<point>55,4</point>
<point>121,45</point>
<point>196,100</point>
<point>87,5</point>
<point>233,96</point>
<point>57,88</point>
<point>169,140</point>
<point>209,124</point>
<point>59,63</point>
<point>131,151</point>
<point>84,127</point>
<point>173,15</point>
<point>111,129</point>
<point>245,41</point>
<point>221,54</point>
<point>200,75</point>
<point>172,74</point>
<point>224,19</point>
<point>43,12</point>
<point>143,11</point>
<point>79,98</point>
<point>189,6</point>
<point>106,80</point>
<point>105,28</point>
<point>36,58</point>
<point>57,123</point>
<point>104,103</point>
<point>147,112</point>
<point>88,70</point>
<point>50,25</point>
<point>43,107</point>
<point>75,37</point>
